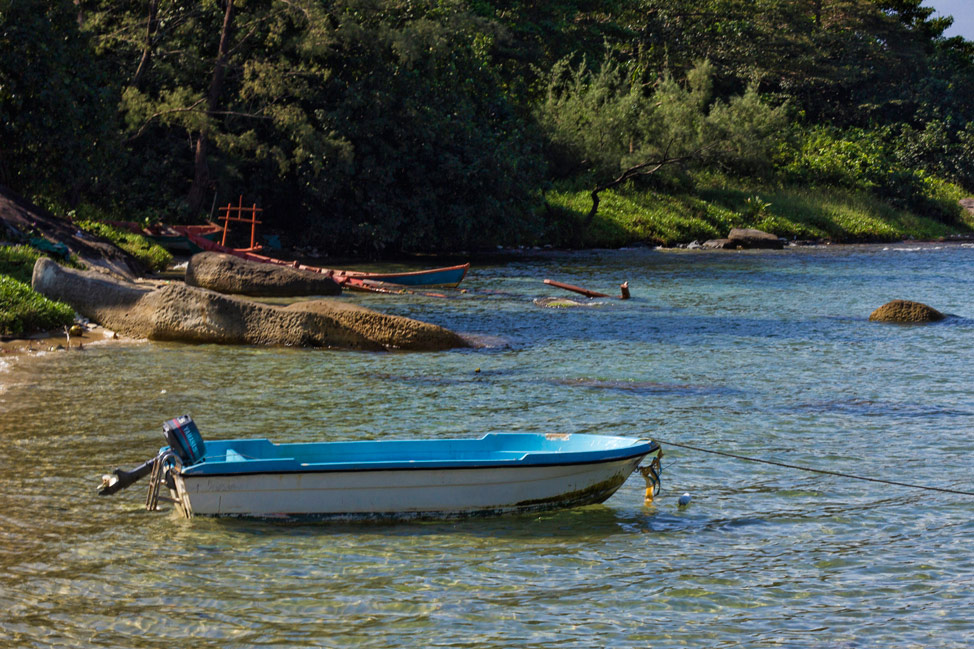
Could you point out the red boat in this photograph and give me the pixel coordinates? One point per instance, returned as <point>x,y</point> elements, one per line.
<point>375,282</point>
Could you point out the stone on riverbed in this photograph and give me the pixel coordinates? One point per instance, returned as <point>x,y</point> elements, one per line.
<point>228,274</point>
<point>904,311</point>
<point>561,303</point>
<point>189,314</point>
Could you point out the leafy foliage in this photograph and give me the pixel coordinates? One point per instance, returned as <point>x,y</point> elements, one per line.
<point>151,254</point>
<point>56,102</point>
<point>858,159</point>
<point>24,311</point>
<point>18,262</point>
<point>382,126</point>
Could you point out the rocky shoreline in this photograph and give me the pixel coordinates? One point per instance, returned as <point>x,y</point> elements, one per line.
<point>178,312</point>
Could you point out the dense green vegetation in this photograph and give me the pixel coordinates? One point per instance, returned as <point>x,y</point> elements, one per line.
<point>17,262</point>
<point>23,310</point>
<point>153,256</point>
<point>387,126</point>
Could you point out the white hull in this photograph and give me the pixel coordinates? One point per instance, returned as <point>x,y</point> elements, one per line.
<point>409,493</point>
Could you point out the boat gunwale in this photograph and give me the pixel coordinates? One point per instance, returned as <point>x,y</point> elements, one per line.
<point>407,465</point>
<point>380,276</point>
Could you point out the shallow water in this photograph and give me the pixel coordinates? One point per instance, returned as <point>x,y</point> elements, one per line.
<point>764,354</point>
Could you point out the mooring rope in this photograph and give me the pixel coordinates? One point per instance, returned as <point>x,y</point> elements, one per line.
<point>839,474</point>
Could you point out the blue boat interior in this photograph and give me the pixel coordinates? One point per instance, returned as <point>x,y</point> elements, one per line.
<point>493,449</point>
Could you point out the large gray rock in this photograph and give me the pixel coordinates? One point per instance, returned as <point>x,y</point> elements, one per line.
<point>751,238</point>
<point>190,314</point>
<point>904,311</point>
<point>19,215</point>
<point>228,274</point>
<point>744,239</point>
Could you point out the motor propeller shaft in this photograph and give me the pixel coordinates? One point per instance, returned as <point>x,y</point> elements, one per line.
<point>120,479</point>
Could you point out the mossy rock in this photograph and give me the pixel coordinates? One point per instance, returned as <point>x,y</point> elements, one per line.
<point>904,311</point>
<point>559,303</point>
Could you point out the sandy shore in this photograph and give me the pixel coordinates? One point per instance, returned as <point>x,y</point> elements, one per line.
<point>50,341</point>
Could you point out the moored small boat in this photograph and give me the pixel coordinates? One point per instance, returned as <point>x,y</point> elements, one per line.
<point>497,473</point>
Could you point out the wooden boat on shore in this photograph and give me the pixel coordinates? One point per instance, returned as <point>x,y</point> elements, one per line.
<point>440,478</point>
<point>449,276</point>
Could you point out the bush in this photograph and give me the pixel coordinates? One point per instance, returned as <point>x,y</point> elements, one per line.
<point>18,262</point>
<point>151,254</point>
<point>867,161</point>
<point>24,311</point>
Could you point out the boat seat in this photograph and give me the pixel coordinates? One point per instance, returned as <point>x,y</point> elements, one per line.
<point>233,456</point>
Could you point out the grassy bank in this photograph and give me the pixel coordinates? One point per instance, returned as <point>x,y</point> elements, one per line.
<point>830,214</point>
<point>151,254</point>
<point>23,311</point>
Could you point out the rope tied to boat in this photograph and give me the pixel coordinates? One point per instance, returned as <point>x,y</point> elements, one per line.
<point>651,474</point>
<point>797,467</point>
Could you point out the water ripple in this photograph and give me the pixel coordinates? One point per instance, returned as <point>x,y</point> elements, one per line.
<point>764,354</point>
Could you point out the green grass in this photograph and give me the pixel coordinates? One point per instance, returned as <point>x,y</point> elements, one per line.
<point>18,262</point>
<point>24,311</point>
<point>150,253</point>
<point>831,214</point>
<point>629,216</point>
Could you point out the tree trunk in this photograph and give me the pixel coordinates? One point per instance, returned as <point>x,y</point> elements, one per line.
<point>201,172</point>
<point>595,208</point>
<point>643,169</point>
<point>152,24</point>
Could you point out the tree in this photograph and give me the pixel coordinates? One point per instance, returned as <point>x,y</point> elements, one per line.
<point>600,123</point>
<point>56,102</point>
<point>201,171</point>
<point>438,156</point>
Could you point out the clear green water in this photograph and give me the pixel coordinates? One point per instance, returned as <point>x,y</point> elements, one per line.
<point>763,354</point>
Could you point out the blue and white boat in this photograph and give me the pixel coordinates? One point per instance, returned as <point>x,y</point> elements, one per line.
<point>438,478</point>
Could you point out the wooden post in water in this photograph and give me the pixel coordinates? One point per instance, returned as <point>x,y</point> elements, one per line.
<point>624,287</point>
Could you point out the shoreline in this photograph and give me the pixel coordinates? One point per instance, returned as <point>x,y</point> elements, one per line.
<point>523,251</point>
<point>95,335</point>
<point>47,342</point>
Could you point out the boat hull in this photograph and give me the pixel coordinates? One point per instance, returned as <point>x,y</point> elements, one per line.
<point>403,493</point>
<point>447,276</point>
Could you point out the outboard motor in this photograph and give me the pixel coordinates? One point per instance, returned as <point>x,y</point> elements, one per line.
<point>184,439</point>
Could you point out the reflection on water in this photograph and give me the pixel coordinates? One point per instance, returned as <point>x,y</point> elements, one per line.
<point>765,354</point>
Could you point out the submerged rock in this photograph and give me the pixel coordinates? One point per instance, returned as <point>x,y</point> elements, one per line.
<point>905,311</point>
<point>190,314</point>
<point>228,274</point>
<point>559,303</point>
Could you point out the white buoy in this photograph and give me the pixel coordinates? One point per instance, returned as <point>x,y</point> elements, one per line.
<point>684,500</point>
